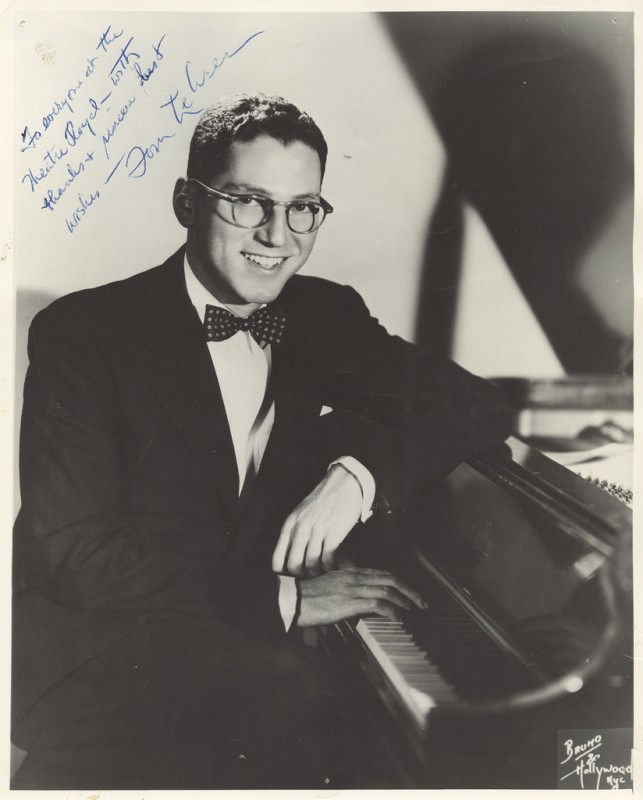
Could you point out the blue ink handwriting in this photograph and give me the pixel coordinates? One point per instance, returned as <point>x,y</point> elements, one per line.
<point>60,164</point>
<point>73,133</point>
<point>33,138</point>
<point>180,105</point>
<point>116,166</point>
<point>144,75</point>
<point>195,84</point>
<point>82,209</point>
<point>52,197</point>
<point>122,114</point>
<point>91,66</point>
<point>61,105</point>
<point>183,111</point>
<point>122,62</point>
<point>144,154</point>
<point>51,158</point>
<point>107,37</point>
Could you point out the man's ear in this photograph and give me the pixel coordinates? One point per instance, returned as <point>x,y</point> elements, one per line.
<point>184,202</point>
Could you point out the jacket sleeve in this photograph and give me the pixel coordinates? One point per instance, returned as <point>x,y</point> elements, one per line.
<point>77,541</point>
<point>408,415</point>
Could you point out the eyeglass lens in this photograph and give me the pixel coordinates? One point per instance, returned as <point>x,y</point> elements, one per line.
<point>250,212</point>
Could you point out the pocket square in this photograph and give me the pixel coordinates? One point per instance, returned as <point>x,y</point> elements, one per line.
<point>325,410</point>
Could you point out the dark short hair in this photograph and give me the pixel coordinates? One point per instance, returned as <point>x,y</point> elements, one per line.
<point>243,117</point>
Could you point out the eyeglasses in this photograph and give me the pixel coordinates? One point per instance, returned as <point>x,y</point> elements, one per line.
<point>251,211</point>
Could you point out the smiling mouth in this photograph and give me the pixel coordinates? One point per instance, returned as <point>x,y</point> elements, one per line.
<point>267,262</point>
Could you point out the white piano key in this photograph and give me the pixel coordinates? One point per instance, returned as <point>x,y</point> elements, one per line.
<point>415,678</point>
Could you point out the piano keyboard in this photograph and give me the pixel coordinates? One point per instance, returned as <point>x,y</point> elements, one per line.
<point>439,657</point>
<point>415,678</point>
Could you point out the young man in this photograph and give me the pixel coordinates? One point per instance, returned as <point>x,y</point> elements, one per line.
<point>197,441</point>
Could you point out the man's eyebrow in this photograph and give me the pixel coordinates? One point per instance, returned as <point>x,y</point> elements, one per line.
<point>248,188</point>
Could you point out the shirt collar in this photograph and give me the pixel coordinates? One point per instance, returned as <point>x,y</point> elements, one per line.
<point>199,296</point>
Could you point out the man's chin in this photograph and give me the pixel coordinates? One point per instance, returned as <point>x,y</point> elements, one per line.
<point>265,294</point>
<point>249,303</point>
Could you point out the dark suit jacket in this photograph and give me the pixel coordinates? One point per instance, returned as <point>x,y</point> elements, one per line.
<point>128,477</point>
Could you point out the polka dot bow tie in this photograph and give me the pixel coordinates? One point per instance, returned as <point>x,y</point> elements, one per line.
<point>267,325</point>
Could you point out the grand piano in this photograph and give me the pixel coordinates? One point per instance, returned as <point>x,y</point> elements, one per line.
<point>525,649</point>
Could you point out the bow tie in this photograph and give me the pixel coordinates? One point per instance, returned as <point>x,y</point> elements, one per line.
<point>267,325</point>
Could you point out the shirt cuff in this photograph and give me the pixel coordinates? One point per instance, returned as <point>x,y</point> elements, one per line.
<point>365,480</point>
<point>288,597</point>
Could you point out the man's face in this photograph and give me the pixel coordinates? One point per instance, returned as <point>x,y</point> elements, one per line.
<point>241,266</point>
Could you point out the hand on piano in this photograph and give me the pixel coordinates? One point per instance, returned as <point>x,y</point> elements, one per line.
<point>354,591</point>
<point>312,533</point>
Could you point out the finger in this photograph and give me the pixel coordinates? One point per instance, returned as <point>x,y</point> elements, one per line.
<point>377,577</point>
<point>404,589</point>
<point>313,559</point>
<point>380,607</point>
<point>374,572</point>
<point>414,596</point>
<point>380,573</point>
<point>280,553</point>
<point>295,562</point>
<point>329,559</point>
<point>344,562</point>
<point>389,594</point>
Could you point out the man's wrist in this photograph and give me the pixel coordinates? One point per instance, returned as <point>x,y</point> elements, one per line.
<point>364,479</point>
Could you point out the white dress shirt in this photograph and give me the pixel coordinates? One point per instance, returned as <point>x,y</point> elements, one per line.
<point>243,370</point>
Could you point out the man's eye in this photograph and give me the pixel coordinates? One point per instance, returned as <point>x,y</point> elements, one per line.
<point>247,200</point>
<point>303,208</point>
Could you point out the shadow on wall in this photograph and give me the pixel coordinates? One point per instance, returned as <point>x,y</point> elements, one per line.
<point>28,304</point>
<point>539,142</point>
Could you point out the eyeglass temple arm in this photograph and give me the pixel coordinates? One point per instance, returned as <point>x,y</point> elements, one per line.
<point>328,209</point>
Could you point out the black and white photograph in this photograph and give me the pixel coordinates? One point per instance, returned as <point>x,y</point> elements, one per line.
<point>322,425</point>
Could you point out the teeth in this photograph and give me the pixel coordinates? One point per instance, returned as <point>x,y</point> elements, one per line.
<point>264,261</point>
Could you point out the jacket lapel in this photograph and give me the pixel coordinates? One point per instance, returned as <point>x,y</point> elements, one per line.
<point>177,365</point>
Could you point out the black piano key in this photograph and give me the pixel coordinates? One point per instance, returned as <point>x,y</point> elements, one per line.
<point>466,655</point>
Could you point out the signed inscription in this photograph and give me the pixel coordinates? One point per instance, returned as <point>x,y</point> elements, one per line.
<point>85,137</point>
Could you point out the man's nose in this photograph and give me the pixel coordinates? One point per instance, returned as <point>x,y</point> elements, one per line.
<point>275,231</point>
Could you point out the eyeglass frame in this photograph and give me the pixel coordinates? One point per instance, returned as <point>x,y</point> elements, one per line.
<point>324,204</point>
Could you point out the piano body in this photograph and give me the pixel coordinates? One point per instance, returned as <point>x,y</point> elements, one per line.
<point>526,566</point>
<point>528,635</point>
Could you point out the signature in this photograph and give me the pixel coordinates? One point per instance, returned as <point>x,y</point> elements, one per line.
<point>139,156</point>
<point>584,759</point>
<point>181,104</point>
